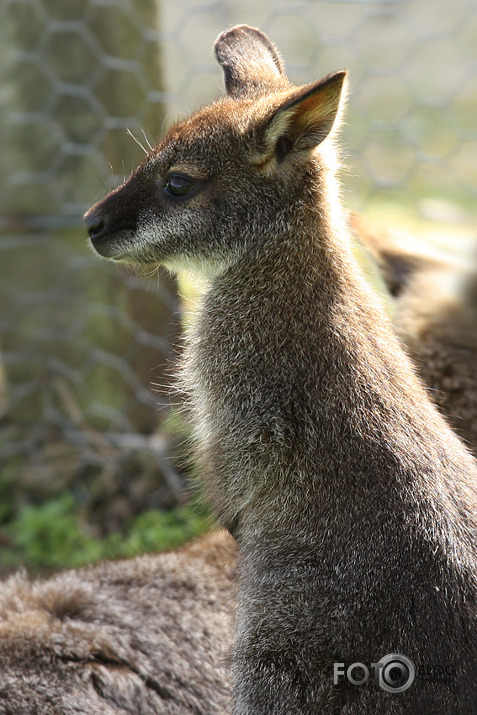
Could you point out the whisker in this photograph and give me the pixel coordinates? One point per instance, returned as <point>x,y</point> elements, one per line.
<point>148,143</point>
<point>136,140</point>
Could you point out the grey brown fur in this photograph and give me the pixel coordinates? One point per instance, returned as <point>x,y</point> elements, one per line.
<point>150,635</point>
<point>353,503</point>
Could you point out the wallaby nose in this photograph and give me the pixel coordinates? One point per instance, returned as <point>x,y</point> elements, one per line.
<point>96,225</point>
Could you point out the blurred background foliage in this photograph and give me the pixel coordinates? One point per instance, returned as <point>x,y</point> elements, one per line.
<point>92,456</point>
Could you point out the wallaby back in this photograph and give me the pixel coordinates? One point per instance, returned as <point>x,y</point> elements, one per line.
<point>147,635</point>
<point>353,504</point>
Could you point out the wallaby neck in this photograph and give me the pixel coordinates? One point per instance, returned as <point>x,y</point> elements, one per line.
<point>301,389</point>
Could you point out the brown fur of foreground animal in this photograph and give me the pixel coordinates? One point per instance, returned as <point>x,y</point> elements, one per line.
<point>51,664</point>
<point>147,635</point>
<point>53,660</point>
<point>99,639</point>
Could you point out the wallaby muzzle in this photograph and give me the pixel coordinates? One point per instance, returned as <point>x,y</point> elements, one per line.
<point>112,222</point>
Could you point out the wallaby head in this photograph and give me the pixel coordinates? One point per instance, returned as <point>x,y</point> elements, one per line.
<point>198,197</point>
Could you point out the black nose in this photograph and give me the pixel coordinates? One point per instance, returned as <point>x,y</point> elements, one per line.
<point>96,225</point>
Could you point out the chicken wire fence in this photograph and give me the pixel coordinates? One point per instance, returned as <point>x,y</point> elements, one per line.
<point>82,342</point>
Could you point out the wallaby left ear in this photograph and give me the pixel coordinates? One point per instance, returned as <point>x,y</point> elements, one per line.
<point>306,117</point>
<point>251,63</point>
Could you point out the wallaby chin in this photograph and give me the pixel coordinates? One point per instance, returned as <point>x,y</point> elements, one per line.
<point>353,503</point>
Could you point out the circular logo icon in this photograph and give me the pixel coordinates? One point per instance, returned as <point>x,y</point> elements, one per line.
<point>396,673</point>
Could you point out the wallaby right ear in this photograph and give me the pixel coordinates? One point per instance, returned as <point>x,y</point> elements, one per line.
<point>304,118</point>
<point>251,63</point>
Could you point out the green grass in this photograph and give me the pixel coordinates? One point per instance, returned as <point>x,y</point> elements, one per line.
<point>50,536</point>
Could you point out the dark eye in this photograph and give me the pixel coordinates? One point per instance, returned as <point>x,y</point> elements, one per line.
<point>177,186</point>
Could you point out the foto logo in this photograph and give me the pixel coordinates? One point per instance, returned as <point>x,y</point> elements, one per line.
<point>394,673</point>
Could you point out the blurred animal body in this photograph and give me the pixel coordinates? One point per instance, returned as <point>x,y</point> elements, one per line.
<point>146,635</point>
<point>435,314</point>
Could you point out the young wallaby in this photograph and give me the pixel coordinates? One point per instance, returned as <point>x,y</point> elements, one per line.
<point>435,313</point>
<point>353,504</point>
<point>147,635</point>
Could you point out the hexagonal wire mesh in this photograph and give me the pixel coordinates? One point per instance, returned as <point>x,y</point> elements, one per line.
<point>82,343</point>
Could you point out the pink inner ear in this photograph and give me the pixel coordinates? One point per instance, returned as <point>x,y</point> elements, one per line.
<point>314,115</point>
<point>314,122</point>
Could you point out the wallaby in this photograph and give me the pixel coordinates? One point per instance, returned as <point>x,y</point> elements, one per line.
<point>353,503</point>
<point>147,635</point>
<point>102,639</point>
<point>435,313</point>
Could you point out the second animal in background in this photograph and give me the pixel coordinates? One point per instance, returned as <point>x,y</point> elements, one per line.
<point>435,314</point>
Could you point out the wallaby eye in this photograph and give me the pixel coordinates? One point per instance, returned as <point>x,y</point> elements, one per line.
<point>177,186</point>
